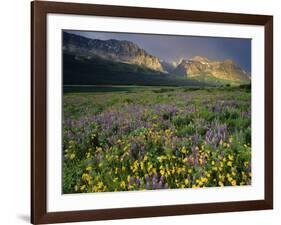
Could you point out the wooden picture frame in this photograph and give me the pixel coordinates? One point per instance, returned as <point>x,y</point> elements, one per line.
<point>39,11</point>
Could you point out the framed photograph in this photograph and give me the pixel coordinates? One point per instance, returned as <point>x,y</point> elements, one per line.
<point>143,112</point>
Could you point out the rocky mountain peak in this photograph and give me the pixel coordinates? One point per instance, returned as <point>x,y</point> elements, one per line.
<point>200,66</point>
<point>228,62</point>
<point>199,59</point>
<point>115,50</point>
<point>123,51</point>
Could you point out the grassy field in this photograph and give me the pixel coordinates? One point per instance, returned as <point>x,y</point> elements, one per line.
<point>137,138</point>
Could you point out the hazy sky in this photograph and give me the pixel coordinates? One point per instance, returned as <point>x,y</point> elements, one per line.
<point>174,47</point>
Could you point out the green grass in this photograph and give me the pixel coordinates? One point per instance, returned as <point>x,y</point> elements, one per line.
<point>120,138</point>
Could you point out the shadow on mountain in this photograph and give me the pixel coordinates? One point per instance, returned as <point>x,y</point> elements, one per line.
<point>79,70</point>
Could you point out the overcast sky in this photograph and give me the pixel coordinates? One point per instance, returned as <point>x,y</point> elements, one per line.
<point>173,47</point>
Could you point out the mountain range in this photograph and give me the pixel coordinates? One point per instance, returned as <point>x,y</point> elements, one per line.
<point>203,68</point>
<point>95,61</point>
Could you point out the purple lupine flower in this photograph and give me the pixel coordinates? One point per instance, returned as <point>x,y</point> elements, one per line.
<point>190,160</point>
<point>196,161</point>
<point>147,178</point>
<point>203,160</point>
<point>215,136</point>
<point>147,185</point>
<point>155,177</point>
<point>132,180</point>
<point>195,139</point>
<point>154,185</point>
<point>160,185</point>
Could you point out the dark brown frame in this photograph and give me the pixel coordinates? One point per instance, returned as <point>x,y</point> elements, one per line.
<point>39,11</point>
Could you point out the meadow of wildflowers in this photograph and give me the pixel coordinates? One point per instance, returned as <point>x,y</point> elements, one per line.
<point>156,138</point>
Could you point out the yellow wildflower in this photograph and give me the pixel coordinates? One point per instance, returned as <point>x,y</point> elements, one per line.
<point>226,145</point>
<point>204,179</point>
<point>123,184</point>
<point>179,170</point>
<point>229,163</point>
<point>145,158</point>
<point>100,184</point>
<point>87,177</point>
<point>230,179</point>
<point>72,156</point>
<point>230,157</point>
<point>98,149</point>
<point>142,166</point>
<point>88,155</point>
<point>82,188</point>
<point>215,168</point>
<point>89,168</point>
<point>183,150</point>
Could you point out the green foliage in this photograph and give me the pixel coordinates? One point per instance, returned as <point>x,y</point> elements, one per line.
<point>138,137</point>
<point>163,90</point>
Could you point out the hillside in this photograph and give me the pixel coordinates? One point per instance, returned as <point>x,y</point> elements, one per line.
<point>119,51</point>
<point>97,71</point>
<point>94,61</point>
<point>201,68</point>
